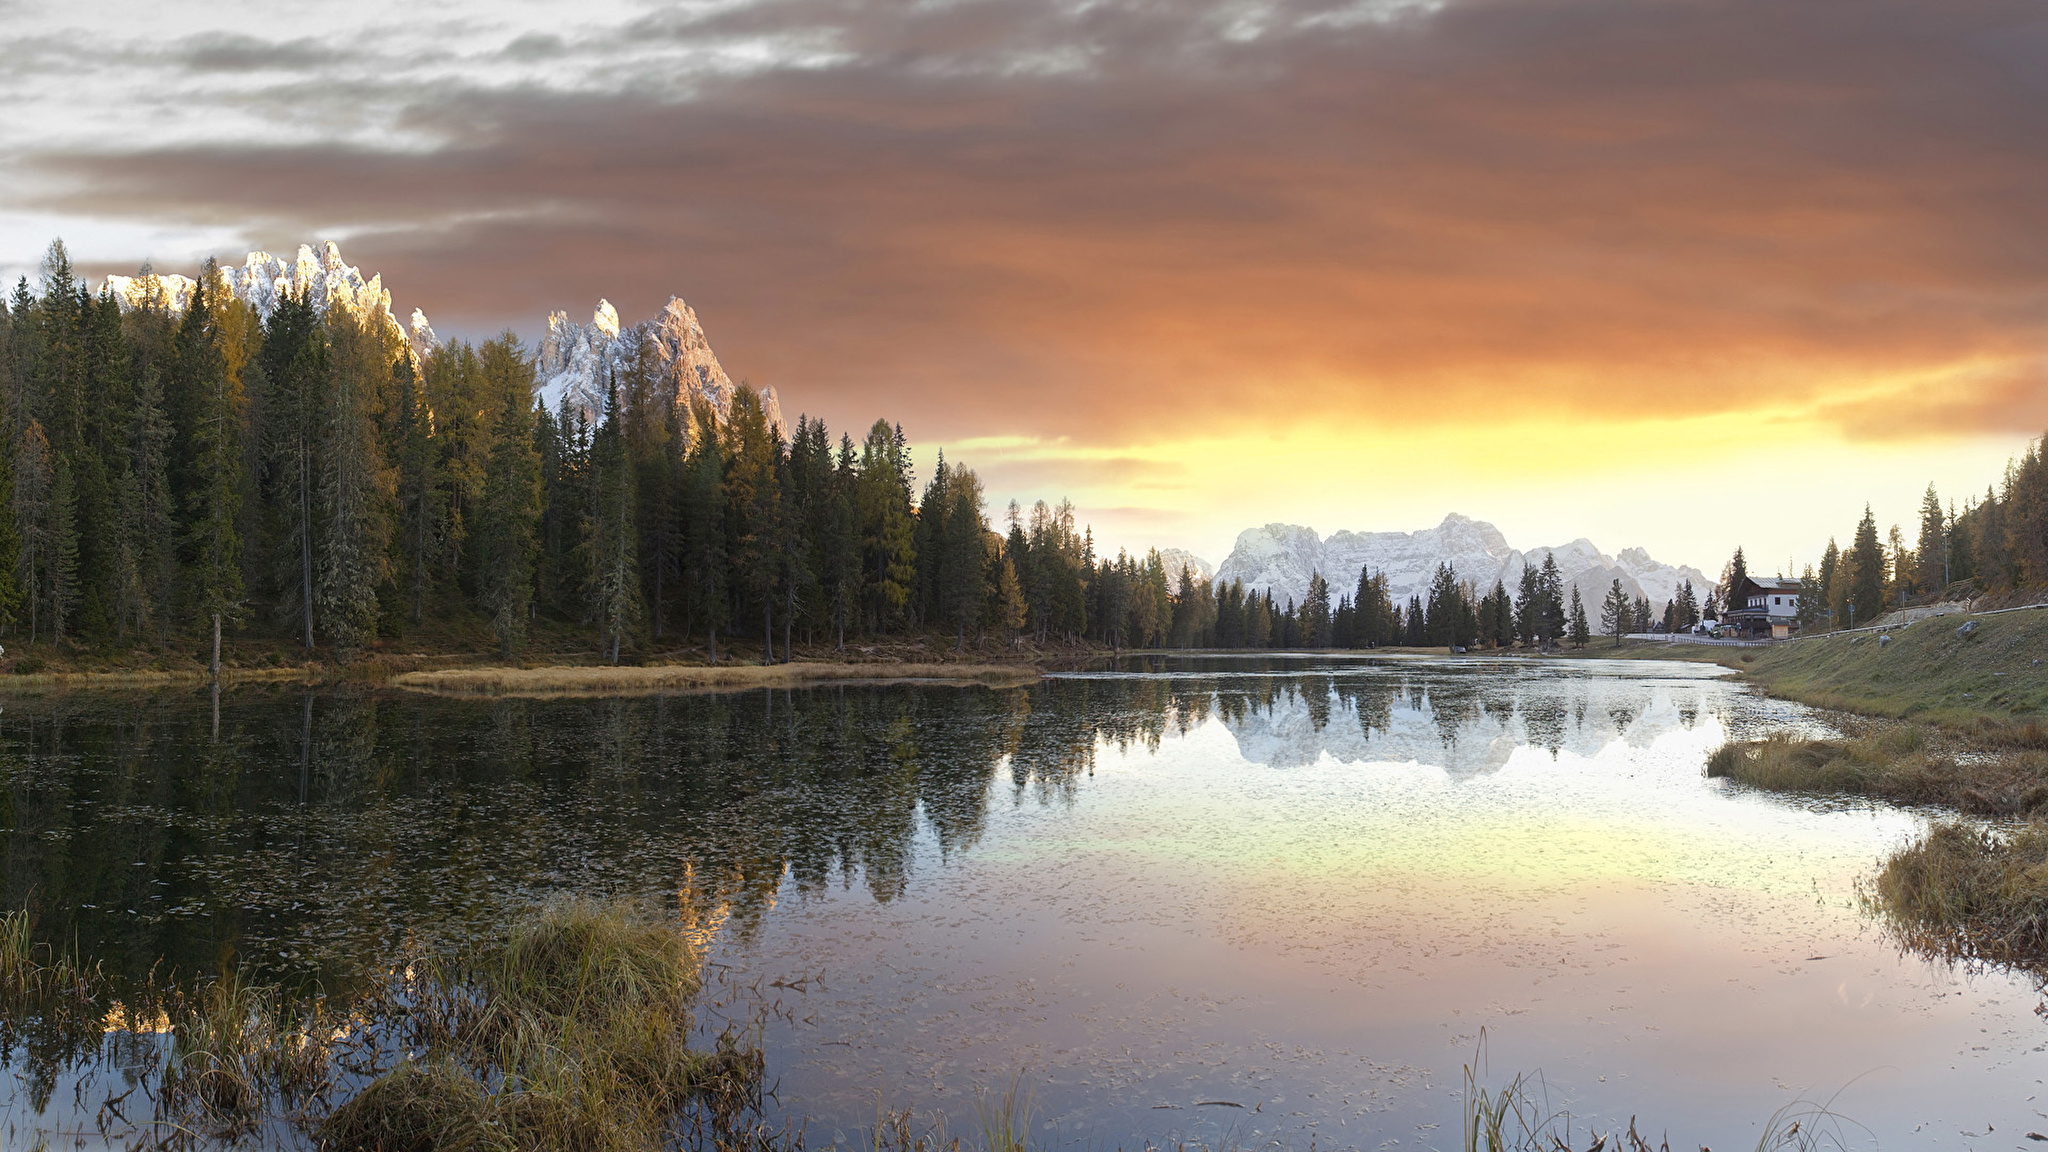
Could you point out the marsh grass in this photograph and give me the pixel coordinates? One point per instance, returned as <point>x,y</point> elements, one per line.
<point>2002,773</point>
<point>1970,894</point>
<point>570,1033</point>
<point>1519,1117</point>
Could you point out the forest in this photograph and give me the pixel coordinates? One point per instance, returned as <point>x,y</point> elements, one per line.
<point>323,488</point>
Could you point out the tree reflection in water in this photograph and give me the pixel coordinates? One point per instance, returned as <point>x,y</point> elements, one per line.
<point>316,831</point>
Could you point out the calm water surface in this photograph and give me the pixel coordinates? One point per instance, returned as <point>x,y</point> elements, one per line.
<point>1221,900</point>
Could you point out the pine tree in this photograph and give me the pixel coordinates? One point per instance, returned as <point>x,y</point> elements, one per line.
<point>1614,612</point>
<point>1580,633</point>
<point>1833,586</point>
<point>1812,600</point>
<point>753,496</point>
<point>353,526</point>
<point>33,481</point>
<point>421,501</point>
<point>839,544</point>
<point>882,502</point>
<point>965,547</point>
<point>509,511</point>
<point>61,575</point>
<point>704,537</point>
<point>291,381</point>
<point>613,547</point>
<point>1441,613</point>
<point>1932,552</point>
<point>212,392</point>
<point>1866,572</point>
<point>1315,612</point>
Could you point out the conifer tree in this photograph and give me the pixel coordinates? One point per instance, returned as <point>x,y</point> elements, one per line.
<point>1259,622</point>
<point>1833,586</point>
<point>291,381</point>
<point>1315,612</point>
<point>704,537</point>
<point>509,510</point>
<point>417,487</point>
<point>212,392</point>
<point>839,544</point>
<point>1614,612</point>
<point>882,502</point>
<point>353,526</point>
<point>613,549</point>
<point>33,482</point>
<point>1932,553</point>
<point>1580,633</point>
<point>1812,598</point>
<point>1441,613</point>
<point>753,495</point>
<point>1866,572</point>
<point>965,547</point>
<point>1732,575</point>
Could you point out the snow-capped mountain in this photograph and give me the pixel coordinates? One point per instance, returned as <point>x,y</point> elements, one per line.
<point>577,361</point>
<point>262,279</point>
<point>1282,557</point>
<point>1172,560</point>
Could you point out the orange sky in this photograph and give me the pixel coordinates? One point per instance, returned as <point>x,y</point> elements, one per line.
<point>1676,273</point>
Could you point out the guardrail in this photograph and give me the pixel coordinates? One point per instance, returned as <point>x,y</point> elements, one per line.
<point>1695,638</point>
<point>1922,620</point>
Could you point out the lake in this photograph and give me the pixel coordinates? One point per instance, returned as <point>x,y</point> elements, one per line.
<point>1228,901</point>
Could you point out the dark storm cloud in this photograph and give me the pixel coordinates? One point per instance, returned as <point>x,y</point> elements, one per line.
<point>1090,220</point>
<point>236,53</point>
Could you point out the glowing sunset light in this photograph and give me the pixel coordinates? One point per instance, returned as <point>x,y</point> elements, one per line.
<point>1574,266</point>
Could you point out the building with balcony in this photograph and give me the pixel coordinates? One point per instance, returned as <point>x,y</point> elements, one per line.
<point>1762,606</point>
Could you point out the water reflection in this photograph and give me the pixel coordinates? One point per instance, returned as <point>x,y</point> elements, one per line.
<point>1466,717</point>
<point>1102,872</point>
<point>316,829</point>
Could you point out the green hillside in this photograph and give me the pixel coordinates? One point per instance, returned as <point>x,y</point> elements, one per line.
<point>1930,670</point>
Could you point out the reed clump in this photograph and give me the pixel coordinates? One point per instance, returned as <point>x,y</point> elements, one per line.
<point>1519,1117</point>
<point>1970,893</point>
<point>1896,763</point>
<point>571,1033</point>
<point>235,1048</point>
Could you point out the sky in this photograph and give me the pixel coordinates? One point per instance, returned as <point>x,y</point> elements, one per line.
<point>1677,274</point>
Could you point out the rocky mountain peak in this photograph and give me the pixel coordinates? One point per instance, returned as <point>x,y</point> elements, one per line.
<point>1281,558</point>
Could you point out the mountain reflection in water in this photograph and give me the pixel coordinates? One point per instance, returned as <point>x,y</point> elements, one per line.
<point>1303,881</point>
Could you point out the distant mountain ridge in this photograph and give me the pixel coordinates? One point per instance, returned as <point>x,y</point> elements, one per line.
<point>575,362</point>
<point>1282,557</point>
<point>261,280</point>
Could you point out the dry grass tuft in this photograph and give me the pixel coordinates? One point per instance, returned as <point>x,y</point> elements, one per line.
<point>1893,764</point>
<point>571,1033</point>
<point>1970,894</point>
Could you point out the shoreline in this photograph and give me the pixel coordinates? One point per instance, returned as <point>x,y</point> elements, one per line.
<point>558,682</point>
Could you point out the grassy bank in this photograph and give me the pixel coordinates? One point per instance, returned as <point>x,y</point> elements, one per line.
<point>612,681</point>
<point>541,670</point>
<point>1964,672</point>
